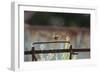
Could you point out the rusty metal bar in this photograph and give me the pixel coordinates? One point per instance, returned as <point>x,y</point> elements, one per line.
<point>57,51</point>
<point>51,42</point>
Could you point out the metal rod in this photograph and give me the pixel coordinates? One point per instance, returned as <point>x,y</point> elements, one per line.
<point>33,54</point>
<point>71,52</point>
<point>51,42</point>
<point>57,51</point>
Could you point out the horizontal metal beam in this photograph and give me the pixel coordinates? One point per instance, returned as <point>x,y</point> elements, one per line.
<point>51,42</point>
<point>57,51</point>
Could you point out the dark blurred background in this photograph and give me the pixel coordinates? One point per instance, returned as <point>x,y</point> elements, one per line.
<point>57,19</point>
